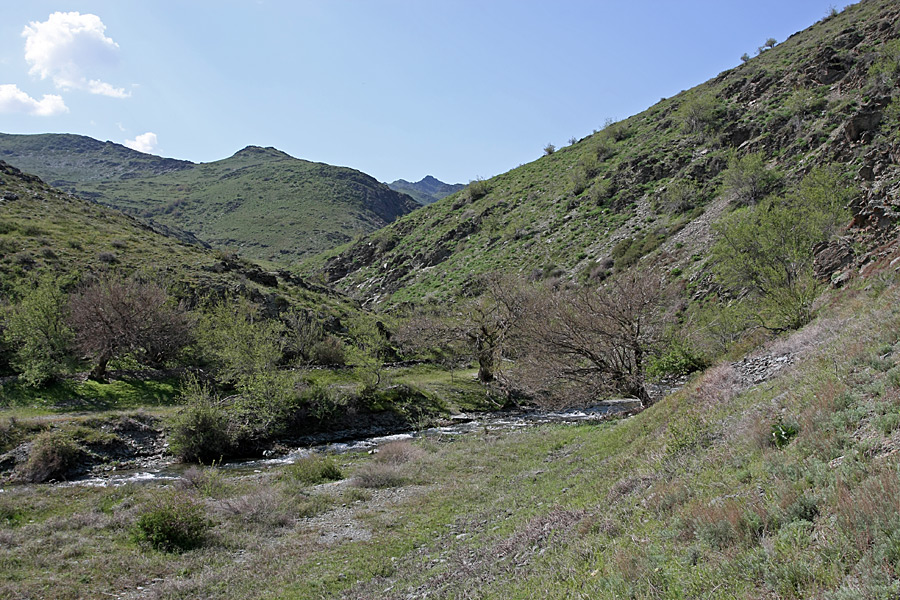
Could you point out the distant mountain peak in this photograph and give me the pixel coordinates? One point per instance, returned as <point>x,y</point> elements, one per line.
<point>429,189</point>
<point>260,151</point>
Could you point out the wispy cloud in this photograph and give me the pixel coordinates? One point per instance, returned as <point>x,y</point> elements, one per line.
<point>14,100</point>
<point>72,49</point>
<point>146,142</point>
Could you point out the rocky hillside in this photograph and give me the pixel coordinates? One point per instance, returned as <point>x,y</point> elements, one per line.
<point>43,229</point>
<point>649,187</point>
<point>260,203</point>
<point>426,191</point>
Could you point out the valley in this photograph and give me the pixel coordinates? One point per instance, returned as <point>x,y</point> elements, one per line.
<point>265,377</point>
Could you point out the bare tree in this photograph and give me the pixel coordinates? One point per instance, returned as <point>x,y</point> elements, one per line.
<point>478,327</point>
<point>113,316</point>
<point>587,342</point>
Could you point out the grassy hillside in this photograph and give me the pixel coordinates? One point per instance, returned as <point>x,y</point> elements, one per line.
<point>260,202</point>
<point>65,160</point>
<point>652,184</point>
<point>43,229</point>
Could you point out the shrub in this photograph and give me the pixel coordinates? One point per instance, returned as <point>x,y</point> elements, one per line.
<point>199,432</point>
<point>314,469</point>
<point>678,359</point>
<point>379,475</point>
<point>549,149</point>
<point>747,179</point>
<point>699,114</point>
<point>174,523</point>
<point>53,454</point>
<point>329,352</point>
<point>478,188</point>
<point>680,196</point>
<point>398,453</point>
<point>36,328</point>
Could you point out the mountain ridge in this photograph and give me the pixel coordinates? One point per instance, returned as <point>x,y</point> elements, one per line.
<point>260,202</point>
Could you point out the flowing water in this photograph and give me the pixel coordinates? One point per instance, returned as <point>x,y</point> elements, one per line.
<point>458,425</point>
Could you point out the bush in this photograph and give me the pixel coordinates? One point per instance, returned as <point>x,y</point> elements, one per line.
<point>398,453</point>
<point>549,149</point>
<point>376,475</point>
<point>329,352</point>
<point>53,454</point>
<point>478,188</point>
<point>35,328</point>
<point>199,432</point>
<point>174,524</point>
<point>747,179</point>
<point>678,359</point>
<point>314,469</point>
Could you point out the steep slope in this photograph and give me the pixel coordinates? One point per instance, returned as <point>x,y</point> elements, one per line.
<point>261,202</point>
<point>43,229</point>
<point>652,185</point>
<point>426,191</point>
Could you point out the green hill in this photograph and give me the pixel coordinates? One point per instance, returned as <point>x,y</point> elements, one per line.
<point>43,229</point>
<point>426,191</point>
<point>261,202</point>
<point>651,185</point>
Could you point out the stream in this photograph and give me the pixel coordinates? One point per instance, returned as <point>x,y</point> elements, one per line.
<point>456,425</point>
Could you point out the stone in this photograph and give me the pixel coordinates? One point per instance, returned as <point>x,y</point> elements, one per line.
<point>830,257</point>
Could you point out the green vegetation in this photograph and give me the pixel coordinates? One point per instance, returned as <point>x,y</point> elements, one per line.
<point>254,202</point>
<point>175,523</point>
<point>768,248</point>
<point>678,244</point>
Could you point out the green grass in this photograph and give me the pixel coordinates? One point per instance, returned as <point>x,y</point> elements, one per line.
<point>89,396</point>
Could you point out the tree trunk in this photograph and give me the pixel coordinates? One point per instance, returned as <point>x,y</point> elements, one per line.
<point>98,373</point>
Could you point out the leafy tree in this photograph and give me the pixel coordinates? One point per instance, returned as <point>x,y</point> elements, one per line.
<point>549,149</point>
<point>767,249</point>
<point>113,316</point>
<point>36,331</point>
<point>236,341</point>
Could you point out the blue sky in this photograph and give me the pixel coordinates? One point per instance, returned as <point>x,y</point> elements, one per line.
<point>396,88</point>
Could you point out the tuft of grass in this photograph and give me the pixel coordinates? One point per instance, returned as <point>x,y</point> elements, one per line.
<point>379,475</point>
<point>314,469</point>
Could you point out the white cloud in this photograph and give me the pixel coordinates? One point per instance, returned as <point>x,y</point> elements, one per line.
<point>146,142</point>
<point>71,49</point>
<point>14,100</point>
